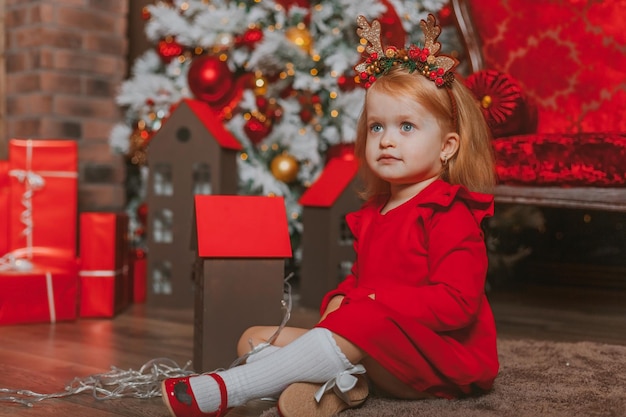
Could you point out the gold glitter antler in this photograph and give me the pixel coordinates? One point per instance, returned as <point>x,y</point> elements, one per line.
<point>431,33</point>
<point>370,33</point>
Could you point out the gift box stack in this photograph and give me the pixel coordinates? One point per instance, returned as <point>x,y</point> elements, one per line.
<point>42,276</point>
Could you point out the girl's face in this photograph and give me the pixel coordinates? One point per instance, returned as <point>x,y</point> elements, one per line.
<point>405,144</point>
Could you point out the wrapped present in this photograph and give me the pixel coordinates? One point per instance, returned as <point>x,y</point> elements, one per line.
<point>42,288</point>
<point>106,287</point>
<point>138,272</point>
<point>42,194</point>
<point>4,207</point>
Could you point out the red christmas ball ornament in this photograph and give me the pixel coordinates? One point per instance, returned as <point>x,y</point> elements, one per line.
<point>256,130</point>
<point>169,49</point>
<point>211,81</point>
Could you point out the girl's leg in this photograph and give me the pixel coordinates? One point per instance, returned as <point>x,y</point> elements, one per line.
<point>256,335</point>
<point>315,356</point>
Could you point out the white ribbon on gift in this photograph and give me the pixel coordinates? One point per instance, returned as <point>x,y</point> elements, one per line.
<point>100,274</point>
<point>33,181</point>
<point>341,383</point>
<point>103,273</point>
<point>15,261</point>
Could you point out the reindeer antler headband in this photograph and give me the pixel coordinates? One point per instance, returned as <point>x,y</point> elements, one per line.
<point>426,60</point>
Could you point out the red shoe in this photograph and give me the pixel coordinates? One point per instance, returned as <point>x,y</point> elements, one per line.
<point>179,399</point>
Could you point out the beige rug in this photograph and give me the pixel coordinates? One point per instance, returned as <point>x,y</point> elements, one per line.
<point>536,379</point>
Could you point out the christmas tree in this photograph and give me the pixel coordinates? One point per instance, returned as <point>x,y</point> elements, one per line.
<point>279,74</point>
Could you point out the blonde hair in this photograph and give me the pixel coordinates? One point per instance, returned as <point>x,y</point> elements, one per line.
<point>472,165</point>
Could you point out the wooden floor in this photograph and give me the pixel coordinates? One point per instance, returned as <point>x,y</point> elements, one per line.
<point>44,358</point>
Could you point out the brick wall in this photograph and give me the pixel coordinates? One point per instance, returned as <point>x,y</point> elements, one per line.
<point>64,61</point>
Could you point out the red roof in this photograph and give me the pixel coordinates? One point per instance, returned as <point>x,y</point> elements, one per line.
<point>242,227</point>
<point>213,124</point>
<point>336,176</point>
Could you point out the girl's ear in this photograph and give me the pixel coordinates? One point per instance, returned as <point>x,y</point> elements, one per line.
<point>449,146</point>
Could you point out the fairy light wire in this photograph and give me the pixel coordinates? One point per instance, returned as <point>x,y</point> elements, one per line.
<point>143,383</point>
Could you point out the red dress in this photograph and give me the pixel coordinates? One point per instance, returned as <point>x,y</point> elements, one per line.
<point>431,324</point>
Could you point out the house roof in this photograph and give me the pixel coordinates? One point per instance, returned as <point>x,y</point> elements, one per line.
<point>242,227</point>
<point>212,122</point>
<point>336,176</point>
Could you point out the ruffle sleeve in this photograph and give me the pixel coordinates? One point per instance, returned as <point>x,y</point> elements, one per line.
<point>444,195</point>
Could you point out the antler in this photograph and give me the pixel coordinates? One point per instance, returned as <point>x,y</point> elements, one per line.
<point>431,33</point>
<point>370,33</point>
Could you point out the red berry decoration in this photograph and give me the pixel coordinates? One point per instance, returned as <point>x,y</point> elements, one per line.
<point>169,49</point>
<point>250,37</point>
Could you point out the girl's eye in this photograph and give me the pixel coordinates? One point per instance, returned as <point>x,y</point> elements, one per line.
<point>407,127</point>
<point>376,128</point>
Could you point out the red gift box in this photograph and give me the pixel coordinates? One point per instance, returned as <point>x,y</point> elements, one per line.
<point>106,287</point>
<point>43,194</point>
<point>4,207</point>
<point>42,290</point>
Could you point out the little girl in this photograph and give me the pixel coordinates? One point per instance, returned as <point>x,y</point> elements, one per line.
<point>412,315</point>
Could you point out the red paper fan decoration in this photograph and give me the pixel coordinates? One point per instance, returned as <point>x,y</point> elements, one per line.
<point>506,108</point>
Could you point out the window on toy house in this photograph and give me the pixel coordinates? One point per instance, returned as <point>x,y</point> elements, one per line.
<point>201,178</point>
<point>162,226</point>
<point>162,277</point>
<point>162,174</point>
<point>345,235</point>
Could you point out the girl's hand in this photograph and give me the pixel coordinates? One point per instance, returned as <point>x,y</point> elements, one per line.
<point>333,305</point>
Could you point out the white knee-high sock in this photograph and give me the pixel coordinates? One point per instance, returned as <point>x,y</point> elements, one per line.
<point>313,357</point>
<point>267,350</point>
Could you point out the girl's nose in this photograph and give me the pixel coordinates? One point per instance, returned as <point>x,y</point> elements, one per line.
<point>386,141</point>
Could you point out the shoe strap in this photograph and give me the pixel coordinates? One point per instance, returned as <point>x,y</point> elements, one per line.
<point>223,393</point>
<point>341,383</point>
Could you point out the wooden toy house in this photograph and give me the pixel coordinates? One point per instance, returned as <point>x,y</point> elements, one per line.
<point>191,154</point>
<point>242,244</point>
<point>327,252</point>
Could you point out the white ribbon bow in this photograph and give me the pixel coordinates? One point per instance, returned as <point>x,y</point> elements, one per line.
<point>341,383</point>
<point>14,261</point>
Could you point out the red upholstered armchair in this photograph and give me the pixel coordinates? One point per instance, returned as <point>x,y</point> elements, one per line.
<point>551,77</point>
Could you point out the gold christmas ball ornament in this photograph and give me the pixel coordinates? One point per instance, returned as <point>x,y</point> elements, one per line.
<point>300,37</point>
<point>285,168</point>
